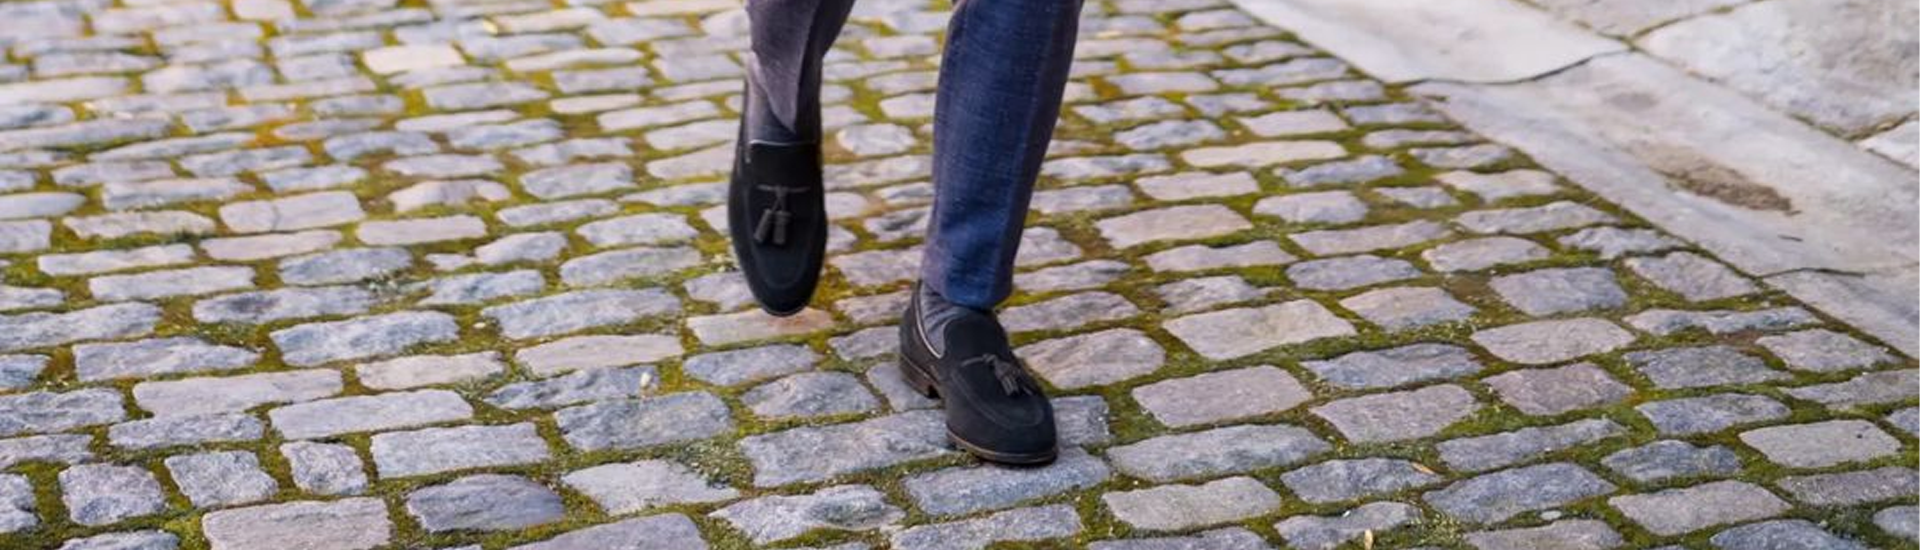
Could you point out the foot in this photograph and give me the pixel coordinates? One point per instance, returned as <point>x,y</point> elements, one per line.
<point>777,218</point>
<point>995,409</point>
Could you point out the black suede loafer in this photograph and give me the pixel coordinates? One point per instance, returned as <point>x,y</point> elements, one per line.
<point>777,216</point>
<point>995,409</point>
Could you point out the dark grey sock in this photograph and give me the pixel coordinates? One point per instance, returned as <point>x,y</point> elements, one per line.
<point>935,314</point>
<point>763,125</point>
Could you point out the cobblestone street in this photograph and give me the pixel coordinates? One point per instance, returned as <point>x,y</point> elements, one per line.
<point>452,274</point>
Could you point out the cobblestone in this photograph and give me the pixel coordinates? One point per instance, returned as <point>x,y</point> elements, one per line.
<point>263,256</point>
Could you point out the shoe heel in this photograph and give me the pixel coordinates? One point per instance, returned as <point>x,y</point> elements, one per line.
<point>918,380</point>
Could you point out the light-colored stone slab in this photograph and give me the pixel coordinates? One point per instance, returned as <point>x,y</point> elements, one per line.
<point>1634,130</point>
<point>1846,65</point>
<point>1454,40</point>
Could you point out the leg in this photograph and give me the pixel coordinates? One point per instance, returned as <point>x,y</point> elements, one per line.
<point>999,95</point>
<point>1000,86</point>
<point>776,215</point>
<point>789,39</point>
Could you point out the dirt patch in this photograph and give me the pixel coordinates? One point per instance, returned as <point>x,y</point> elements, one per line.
<point>1713,180</point>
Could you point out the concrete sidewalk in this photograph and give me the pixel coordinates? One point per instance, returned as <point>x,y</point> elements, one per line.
<point>1779,134</point>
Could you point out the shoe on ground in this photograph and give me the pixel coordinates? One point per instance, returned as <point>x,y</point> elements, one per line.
<point>777,218</point>
<point>995,408</point>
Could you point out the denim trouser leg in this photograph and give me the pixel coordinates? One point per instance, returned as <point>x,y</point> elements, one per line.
<point>789,39</point>
<point>999,95</point>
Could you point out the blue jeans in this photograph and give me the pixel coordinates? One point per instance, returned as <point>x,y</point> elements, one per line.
<point>1004,70</point>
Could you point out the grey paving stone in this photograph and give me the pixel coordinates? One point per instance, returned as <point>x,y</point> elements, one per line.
<point>1821,444</point>
<point>1398,416</point>
<point>325,468</point>
<point>1900,521</point>
<point>35,330</point>
<point>1552,291</point>
<point>309,211</point>
<point>1487,452</point>
<point>132,540</point>
<point>1483,253</point>
<point>22,236</point>
<point>1203,258</point>
<point>1358,170</point>
<point>1711,413</point>
<point>1328,532</point>
<point>646,422</point>
<point>817,453</point>
<point>1093,359</point>
<point>1666,321</point>
<point>1692,276</point>
<point>1174,223</point>
<point>1038,523</point>
<point>169,431</point>
<point>1907,420</point>
<point>106,261</point>
<point>1232,449</point>
<point>283,304</point>
<point>317,343</point>
<point>1221,396</point>
<point>1678,511</point>
<point>1781,534</point>
<point>1495,497</point>
<point>1371,238</point>
<point>19,371</point>
<point>436,450</point>
<point>574,388</point>
<point>586,352</point>
<point>1071,311</point>
<point>273,245</point>
<point>220,479</point>
<point>1538,219</point>
<point>966,490</point>
<point>1667,459</point>
<point>1558,390</point>
<point>46,411</point>
<point>841,508</point>
<point>1332,207</point>
<point>657,532</point>
<point>1703,366</point>
<point>1232,333</point>
<point>60,449</point>
<point>1850,488</point>
<point>1080,276</point>
<point>1229,538</point>
<point>191,281</point>
<point>1355,479</point>
<point>1081,199</point>
<point>476,288</point>
<point>1871,388</point>
<point>363,413</point>
<point>735,367</point>
<point>484,503</point>
<point>155,357</point>
<point>1547,342</point>
<point>429,370</point>
<point>346,524</point>
<point>1572,534</point>
<point>628,487</point>
<point>1193,185</point>
<point>1613,242</point>
<point>1350,272</point>
<point>105,494</point>
<point>581,310</point>
<point>1407,307</point>
<point>1395,367</point>
<point>16,504</point>
<point>1177,507</point>
<point>756,325</point>
<point>618,265</point>
<point>808,395</point>
<point>1822,350</point>
<point>1196,294</point>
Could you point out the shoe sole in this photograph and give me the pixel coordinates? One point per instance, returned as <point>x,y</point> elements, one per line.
<point>922,381</point>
